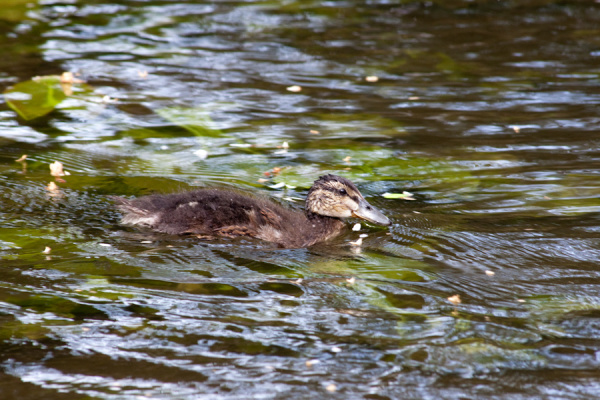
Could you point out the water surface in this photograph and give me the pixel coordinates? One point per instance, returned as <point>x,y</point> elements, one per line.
<point>485,286</point>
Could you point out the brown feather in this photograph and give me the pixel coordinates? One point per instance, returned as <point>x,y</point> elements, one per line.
<point>211,212</point>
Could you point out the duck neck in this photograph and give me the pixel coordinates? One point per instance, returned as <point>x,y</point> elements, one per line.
<point>322,221</point>
<point>314,217</point>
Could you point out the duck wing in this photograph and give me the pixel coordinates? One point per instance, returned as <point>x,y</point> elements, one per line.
<point>202,212</point>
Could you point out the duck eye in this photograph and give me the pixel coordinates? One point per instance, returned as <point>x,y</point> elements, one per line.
<point>343,192</point>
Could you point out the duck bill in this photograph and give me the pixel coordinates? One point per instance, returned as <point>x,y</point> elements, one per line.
<point>369,213</point>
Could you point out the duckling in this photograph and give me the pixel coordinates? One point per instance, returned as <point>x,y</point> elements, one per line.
<point>208,213</point>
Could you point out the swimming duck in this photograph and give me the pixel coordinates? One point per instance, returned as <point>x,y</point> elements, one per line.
<point>208,213</point>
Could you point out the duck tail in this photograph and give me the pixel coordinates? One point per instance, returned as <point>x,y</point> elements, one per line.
<point>134,215</point>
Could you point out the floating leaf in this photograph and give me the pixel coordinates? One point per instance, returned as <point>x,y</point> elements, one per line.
<point>194,120</point>
<point>281,185</point>
<point>277,185</point>
<point>404,196</point>
<point>42,95</point>
<point>358,242</point>
<point>240,145</point>
<point>56,169</point>
<point>35,98</point>
<point>69,77</point>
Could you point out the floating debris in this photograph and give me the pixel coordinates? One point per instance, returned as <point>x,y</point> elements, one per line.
<point>314,132</point>
<point>143,74</point>
<point>372,78</point>
<point>282,184</point>
<point>403,196</point>
<point>454,299</point>
<point>201,154</point>
<point>47,250</point>
<point>274,171</point>
<point>336,349</point>
<point>22,158</point>
<point>331,388</point>
<point>490,273</point>
<point>69,77</point>
<point>310,363</point>
<point>242,145</point>
<point>347,159</point>
<point>356,227</point>
<point>350,282</point>
<point>357,243</point>
<point>106,99</point>
<point>413,98</point>
<point>56,169</point>
<point>294,88</point>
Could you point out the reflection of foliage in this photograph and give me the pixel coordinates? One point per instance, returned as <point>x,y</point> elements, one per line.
<point>381,284</point>
<point>15,10</point>
<point>565,315</point>
<point>13,329</point>
<point>370,164</point>
<point>57,305</point>
<point>348,125</point>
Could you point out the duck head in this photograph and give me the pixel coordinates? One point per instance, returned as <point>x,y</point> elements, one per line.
<point>334,196</point>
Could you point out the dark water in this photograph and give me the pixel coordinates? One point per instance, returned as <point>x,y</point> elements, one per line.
<point>486,111</point>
